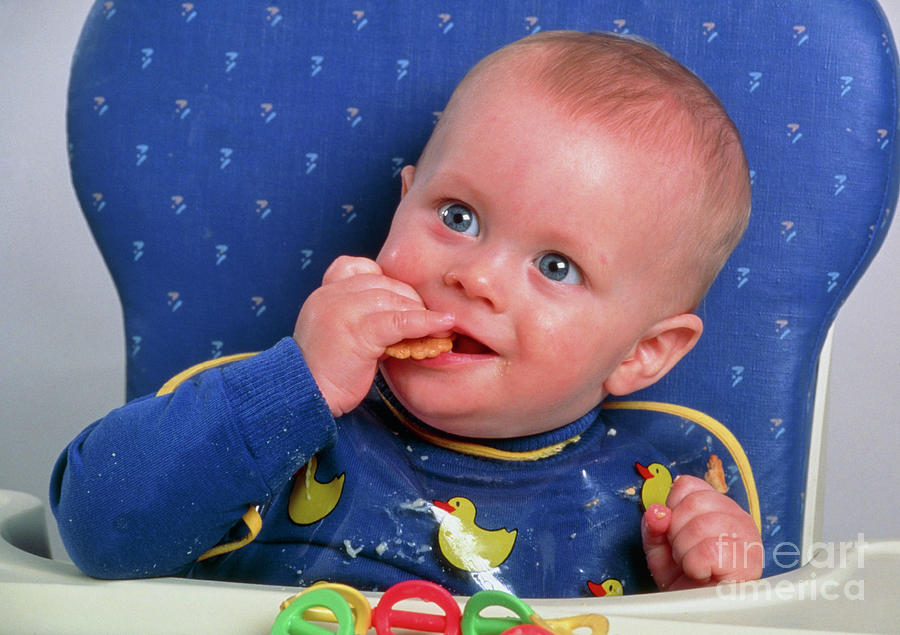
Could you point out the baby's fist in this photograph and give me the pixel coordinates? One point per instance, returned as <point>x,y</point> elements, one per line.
<point>699,538</point>
<point>345,325</point>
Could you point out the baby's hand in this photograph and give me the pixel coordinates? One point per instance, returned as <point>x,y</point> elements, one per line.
<point>345,325</point>
<point>699,538</point>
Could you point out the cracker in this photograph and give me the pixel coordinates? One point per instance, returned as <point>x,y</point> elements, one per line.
<point>421,348</point>
<point>715,475</point>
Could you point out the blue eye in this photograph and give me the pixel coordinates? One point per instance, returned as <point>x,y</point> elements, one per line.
<point>459,218</point>
<point>558,268</point>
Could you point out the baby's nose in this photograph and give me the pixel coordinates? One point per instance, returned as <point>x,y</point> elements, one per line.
<point>478,282</point>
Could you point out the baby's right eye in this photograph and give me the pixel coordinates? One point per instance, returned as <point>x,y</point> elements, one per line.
<point>459,218</point>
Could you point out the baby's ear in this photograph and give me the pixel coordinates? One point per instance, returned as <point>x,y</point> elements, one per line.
<point>661,347</point>
<point>406,179</point>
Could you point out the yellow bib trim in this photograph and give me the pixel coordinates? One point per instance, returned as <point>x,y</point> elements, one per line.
<point>170,386</point>
<point>254,523</point>
<point>718,430</point>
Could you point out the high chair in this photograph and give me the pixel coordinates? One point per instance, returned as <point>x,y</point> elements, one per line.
<point>225,153</point>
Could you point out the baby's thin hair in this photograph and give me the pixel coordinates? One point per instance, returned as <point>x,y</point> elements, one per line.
<point>642,95</point>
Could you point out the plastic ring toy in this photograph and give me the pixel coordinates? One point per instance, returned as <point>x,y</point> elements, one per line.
<point>362,610</point>
<point>474,624</point>
<point>291,620</point>
<point>386,617</point>
<point>596,623</point>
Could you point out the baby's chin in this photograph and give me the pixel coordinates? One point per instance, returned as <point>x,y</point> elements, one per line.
<point>457,422</point>
<point>449,417</point>
<point>470,428</point>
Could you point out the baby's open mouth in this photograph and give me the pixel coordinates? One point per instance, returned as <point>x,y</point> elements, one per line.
<point>465,345</point>
<point>430,347</point>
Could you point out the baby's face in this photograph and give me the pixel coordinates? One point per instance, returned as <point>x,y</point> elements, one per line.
<point>535,233</point>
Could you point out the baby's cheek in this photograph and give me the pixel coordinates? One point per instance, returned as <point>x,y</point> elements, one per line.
<point>552,353</point>
<point>401,264</point>
<point>413,258</point>
<point>570,353</point>
<point>556,334</point>
<point>392,257</point>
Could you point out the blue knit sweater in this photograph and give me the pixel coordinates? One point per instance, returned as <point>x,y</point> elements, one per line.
<point>152,486</point>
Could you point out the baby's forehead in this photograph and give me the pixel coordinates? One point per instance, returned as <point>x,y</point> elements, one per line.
<point>672,128</point>
<point>546,140</point>
<point>656,149</point>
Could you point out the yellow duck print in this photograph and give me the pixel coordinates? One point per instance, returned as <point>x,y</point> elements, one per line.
<point>607,588</point>
<point>311,500</point>
<point>657,483</point>
<point>467,546</point>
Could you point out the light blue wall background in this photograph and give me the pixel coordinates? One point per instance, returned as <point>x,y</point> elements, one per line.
<point>61,342</point>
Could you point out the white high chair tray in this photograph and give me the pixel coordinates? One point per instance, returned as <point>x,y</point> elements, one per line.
<point>847,588</point>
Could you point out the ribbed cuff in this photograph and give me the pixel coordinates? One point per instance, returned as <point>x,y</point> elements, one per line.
<point>285,419</point>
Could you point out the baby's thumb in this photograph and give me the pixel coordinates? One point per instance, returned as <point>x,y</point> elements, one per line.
<point>654,525</point>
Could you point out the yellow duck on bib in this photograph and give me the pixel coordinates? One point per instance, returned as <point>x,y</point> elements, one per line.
<point>657,483</point>
<point>608,588</point>
<point>311,501</point>
<point>467,546</point>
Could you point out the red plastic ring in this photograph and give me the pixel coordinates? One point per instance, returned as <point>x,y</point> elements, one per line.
<point>385,617</point>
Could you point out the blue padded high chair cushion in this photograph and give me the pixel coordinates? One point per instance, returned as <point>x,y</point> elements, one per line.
<point>224,153</point>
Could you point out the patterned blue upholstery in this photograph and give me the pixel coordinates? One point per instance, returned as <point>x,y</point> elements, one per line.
<point>225,152</point>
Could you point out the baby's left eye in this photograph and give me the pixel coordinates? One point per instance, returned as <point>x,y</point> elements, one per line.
<point>558,268</point>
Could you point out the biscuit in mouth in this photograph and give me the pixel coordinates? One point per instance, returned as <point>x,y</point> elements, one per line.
<point>420,348</point>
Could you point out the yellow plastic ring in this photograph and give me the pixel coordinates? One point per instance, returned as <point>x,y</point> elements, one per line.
<point>359,605</point>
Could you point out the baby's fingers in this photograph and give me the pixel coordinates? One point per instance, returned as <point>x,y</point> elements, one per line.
<point>692,497</point>
<point>684,486</point>
<point>657,550</point>
<point>355,275</point>
<point>703,535</point>
<point>718,545</point>
<point>389,327</point>
<point>345,267</point>
<point>724,557</point>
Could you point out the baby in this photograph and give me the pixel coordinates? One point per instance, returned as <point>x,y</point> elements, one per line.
<point>574,203</point>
